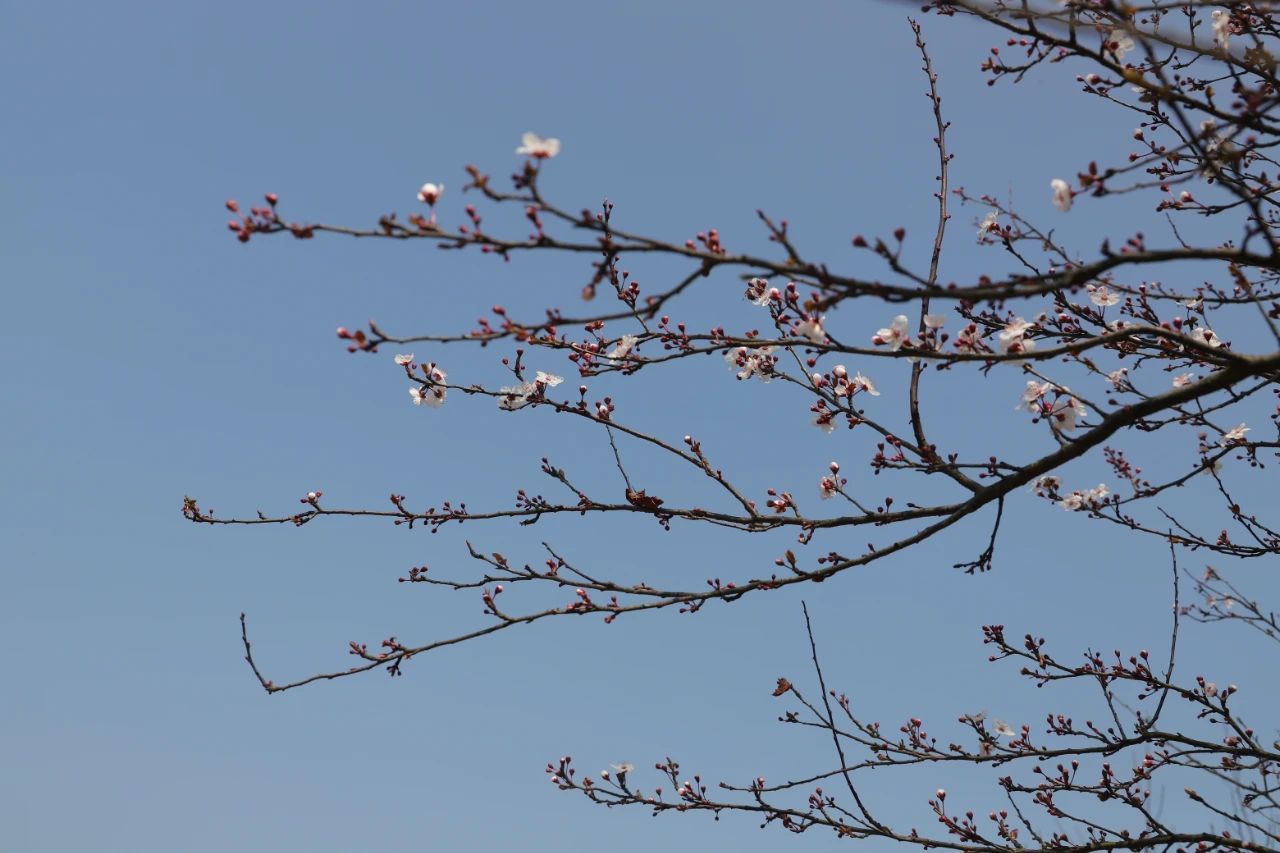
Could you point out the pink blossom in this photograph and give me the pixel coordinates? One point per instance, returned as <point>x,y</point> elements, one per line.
<point>405,358</point>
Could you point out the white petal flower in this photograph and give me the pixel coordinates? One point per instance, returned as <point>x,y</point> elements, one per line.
<point>935,321</point>
<point>989,222</point>
<point>537,147</point>
<point>1046,486</point>
<point>828,487</point>
<point>894,335</point>
<point>825,421</point>
<point>747,362</point>
<point>1031,397</point>
<point>1002,728</point>
<point>513,397</point>
<point>759,292</point>
<point>548,379</point>
<point>1182,380</point>
<point>1065,412</point>
<point>623,348</point>
<point>404,358</point>
<point>812,329</point>
<point>862,382</point>
<point>1061,194</point>
<point>430,193</point>
<point>623,768</point>
<point>1206,336</point>
<point>1102,296</point>
<point>1120,43</point>
<point>1221,27</point>
<point>1235,435</point>
<point>1013,337</point>
<point>1117,377</point>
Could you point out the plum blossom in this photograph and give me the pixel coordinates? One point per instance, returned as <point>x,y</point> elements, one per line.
<point>759,292</point>
<point>1233,436</point>
<point>514,397</point>
<point>1065,412</point>
<point>1088,499</point>
<point>829,487</point>
<point>969,339</point>
<point>747,362</point>
<point>1061,194</point>
<point>1013,337</point>
<point>625,345</point>
<point>825,420</point>
<point>1182,380</point>
<point>1033,394</point>
<point>1120,43</point>
<point>1102,296</point>
<point>863,383</point>
<point>989,223</point>
<point>1003,729</point>
<point>935,321</point>
<point>404,358</point>
<point>537,147</point>
<point>623,767</point>
<point>1206,336</point>
<point>433,397</point>
<point>430,193</point>
<point>812,329</point>
<point>1221,27</point>
<point>894,335</point>
<point>1118,377</point>
<point>1046,486</point>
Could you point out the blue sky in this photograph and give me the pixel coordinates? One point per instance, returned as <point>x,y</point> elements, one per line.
<point>152,357</point>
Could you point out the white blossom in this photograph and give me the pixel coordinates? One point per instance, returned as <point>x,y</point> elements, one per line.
<point>812,329</point>
<point>895,334</point>
<point>537,147</point>
<point>1235,435</point>
<point>548,379</point>
<point>990,222</point>
<point>433,397</point>
<point>1221,27</point>
<point>1102,296</point>
<point>935,321</point>
<point>512,397</point>
<point>1117,377</point>
<point>625,344</point>
<point>1034,392</point>
<point>404,358</point>
<point>1002,728</point>
<point>865,384</point>
<point>1065,412</point>
<point>829,486</point>
<point>1206,336</point>
<point>1061,194</point>
<point>759,292</point>
<point>747,362</point>
<point>1122,44</point>
<point>1013,337</point>
<point>430,192</point>
<point>1088,499</point>
<point>1046,485</point>
<point>1182,380</point>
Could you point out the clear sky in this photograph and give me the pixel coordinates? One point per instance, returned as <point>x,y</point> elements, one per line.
<point>151,356</point>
